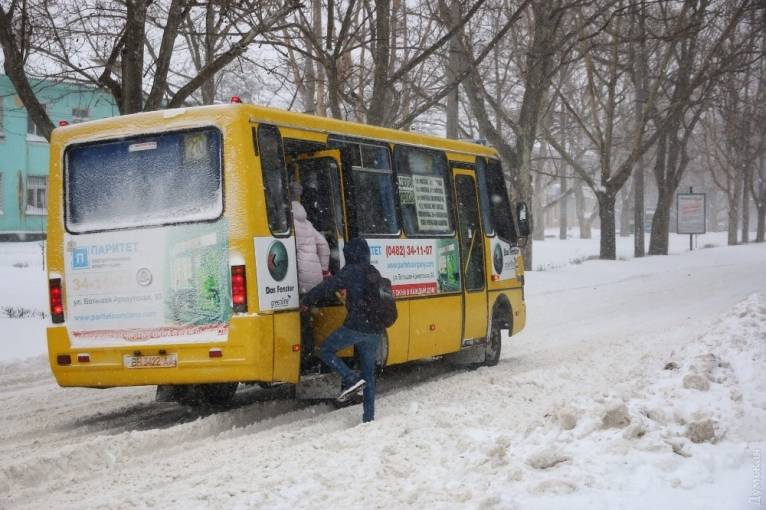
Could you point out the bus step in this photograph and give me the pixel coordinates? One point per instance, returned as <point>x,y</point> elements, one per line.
<point>318,386</point>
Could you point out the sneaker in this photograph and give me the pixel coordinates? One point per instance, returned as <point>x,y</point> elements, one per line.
<point>353,388</point>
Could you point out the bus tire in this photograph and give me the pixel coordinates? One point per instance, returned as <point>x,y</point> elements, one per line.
<point>500,321</point>
<point>216,394</point>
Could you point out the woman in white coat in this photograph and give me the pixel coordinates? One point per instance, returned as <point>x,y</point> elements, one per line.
<point>313,250</point>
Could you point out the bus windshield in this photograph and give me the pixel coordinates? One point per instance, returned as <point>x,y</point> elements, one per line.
<point>172,177</point>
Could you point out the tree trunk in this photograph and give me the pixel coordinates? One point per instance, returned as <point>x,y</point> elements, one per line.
<point>208,88</point>
<point>538,226</point>
<point>582,221</point>
<point>625,213</point>
<point>733,221</point>
<point>321,104</point>
<point>133,57</point>
<point>733,214</point>
<point>13,65</point>
<point>759,234</point>
<point>333,89</point>
<point>453,68</point>
<point>639,247</point>
<point>563,219</point>
<point>747,173</point>
<point>659,241</point>
<point>376,114</point>
<point>608,248</point>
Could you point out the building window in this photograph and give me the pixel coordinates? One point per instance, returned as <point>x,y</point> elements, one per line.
<point>33,133</point>
<point>80,115</point>
<point>37,195</point>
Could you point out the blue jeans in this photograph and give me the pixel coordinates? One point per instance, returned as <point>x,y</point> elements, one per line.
<point>367,348</point>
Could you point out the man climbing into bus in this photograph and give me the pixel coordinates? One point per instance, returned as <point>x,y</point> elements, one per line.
<point>364,326</point>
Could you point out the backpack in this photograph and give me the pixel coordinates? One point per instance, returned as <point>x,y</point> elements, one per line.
<point>378,298</point>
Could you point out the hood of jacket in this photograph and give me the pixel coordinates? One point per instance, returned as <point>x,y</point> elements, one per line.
<point>357,251</point>
<point>299,213</point>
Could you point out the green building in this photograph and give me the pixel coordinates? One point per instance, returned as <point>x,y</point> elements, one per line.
<point>24,153</point>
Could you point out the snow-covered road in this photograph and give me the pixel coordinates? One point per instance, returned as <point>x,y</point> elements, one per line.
<point>580,412</point>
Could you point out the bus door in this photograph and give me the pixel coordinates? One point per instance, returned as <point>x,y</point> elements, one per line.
<point>320,176</point>
<point>471,257</point>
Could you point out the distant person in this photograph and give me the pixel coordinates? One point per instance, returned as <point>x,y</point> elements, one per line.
<point>313,250</point>
<point>362,327</point>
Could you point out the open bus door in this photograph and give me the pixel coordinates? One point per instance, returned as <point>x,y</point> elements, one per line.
<point>471,258</point>
<point>320,176</point>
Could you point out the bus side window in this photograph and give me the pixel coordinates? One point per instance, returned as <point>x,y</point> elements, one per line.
<point>274,178</point>
<point>486,210</point>
<point>422,179</point>
<point>500,213</point>
<point>369,188</point>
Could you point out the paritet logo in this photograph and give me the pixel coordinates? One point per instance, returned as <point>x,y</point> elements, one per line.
<point>277,260</point>
<point>80,258</point>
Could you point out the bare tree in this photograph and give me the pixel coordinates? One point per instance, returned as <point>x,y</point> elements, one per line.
<point>705,53</point>
<point>104,44</point>
<point>547,45</point>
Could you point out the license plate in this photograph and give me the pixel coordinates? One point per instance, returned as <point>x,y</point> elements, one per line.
<point>165,361</point>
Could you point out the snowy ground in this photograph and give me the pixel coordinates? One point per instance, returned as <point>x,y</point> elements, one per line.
<point>597,404</point>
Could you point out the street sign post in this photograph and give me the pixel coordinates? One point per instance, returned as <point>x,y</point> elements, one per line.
<point>691,214</point>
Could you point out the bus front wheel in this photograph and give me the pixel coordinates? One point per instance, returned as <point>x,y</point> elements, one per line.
<point>494,342</point>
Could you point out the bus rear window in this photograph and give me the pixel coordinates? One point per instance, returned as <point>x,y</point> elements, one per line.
<point>144,180</point>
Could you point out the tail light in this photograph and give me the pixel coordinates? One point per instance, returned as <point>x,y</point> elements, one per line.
<point>238,289</point>
<point>57,305</point>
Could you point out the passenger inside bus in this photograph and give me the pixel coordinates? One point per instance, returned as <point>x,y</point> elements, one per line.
<point>313,252</point>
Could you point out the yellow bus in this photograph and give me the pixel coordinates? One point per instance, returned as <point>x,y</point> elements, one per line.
<point>171,257</point>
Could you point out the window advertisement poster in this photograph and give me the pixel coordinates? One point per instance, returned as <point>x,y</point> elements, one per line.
<point>691,213</point>
<point>503,260</point>
<point>430,203</point>
<point>277,271</point>
<point>417,266</point>
<point>148,286</point>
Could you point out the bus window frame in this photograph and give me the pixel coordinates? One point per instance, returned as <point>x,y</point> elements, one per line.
<point>449,184</point>
<point>347,183</point>
<point>65,179</point>
<point>285,181</point>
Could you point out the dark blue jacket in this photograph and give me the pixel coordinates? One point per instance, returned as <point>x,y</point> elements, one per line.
<point>351,278</point>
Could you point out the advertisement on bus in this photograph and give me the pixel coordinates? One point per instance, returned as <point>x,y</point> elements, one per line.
<point>167,285</point>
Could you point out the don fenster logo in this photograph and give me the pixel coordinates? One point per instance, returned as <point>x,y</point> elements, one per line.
<point>277,260</point>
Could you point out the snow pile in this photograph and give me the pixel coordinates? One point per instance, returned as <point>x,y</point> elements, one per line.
<point>668,433</point>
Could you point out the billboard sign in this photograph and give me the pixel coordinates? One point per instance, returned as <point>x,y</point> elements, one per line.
<point>691,213</point>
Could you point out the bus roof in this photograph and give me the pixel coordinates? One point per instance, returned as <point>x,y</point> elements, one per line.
<point>180,118</point>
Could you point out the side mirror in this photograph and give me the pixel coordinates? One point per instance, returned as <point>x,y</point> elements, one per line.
<point>523,222</point>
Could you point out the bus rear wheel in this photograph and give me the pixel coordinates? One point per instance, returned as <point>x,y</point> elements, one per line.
<point>216,394</point>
